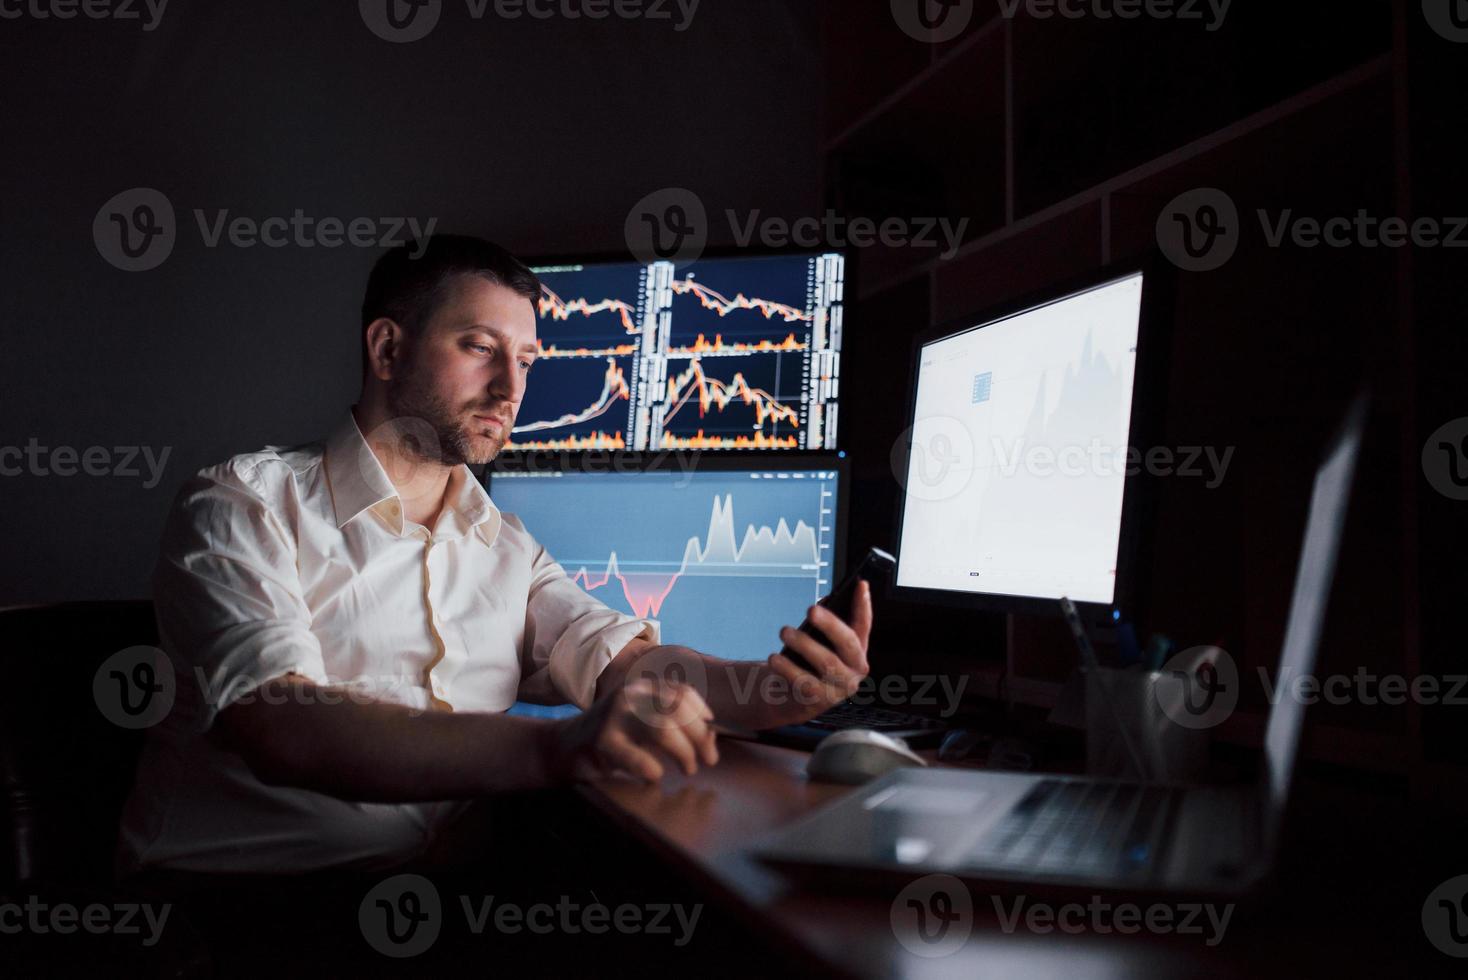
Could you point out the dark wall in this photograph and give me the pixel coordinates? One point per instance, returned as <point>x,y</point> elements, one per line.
<point>540,134</point>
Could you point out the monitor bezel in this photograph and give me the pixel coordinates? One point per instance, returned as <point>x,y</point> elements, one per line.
<point>721,252</point>
<point>1148,405</point>
<point>622,462</point>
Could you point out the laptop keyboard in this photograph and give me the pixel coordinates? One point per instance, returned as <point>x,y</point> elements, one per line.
<point>1079,828</point>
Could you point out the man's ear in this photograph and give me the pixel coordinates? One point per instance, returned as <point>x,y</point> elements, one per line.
<point>386,346</point>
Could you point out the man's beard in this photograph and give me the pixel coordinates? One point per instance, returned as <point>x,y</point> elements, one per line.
<point>432,430</point>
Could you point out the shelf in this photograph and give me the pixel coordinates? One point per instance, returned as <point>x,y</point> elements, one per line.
<point>1108,109</point>
<point>948,64</point>
<point>923,163</point>
<point>1378,70</point>
<point>1061,142</point>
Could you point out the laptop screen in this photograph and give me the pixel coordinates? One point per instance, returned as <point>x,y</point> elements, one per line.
<point>1313,577</point>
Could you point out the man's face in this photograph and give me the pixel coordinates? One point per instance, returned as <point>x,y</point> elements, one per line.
<point>464,373</point>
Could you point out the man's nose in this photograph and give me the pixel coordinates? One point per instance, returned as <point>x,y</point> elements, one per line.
<point>509,380</point>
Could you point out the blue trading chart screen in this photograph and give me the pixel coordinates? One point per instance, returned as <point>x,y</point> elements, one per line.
<point>721,559</point>
<point>721,353</point>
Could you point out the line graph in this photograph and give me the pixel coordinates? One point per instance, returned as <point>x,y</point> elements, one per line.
<point>553,306</point>
<point>749,402</point>
<point>712,392</point>
<point>621,350</point>
<point>614,386</point>
<point>608,405</point>
<point>721,305</point>
<point>720,354</point>
<point>764,551</point>
<point>592,310</point>
<point>721,559</point>
<point>749,301</point>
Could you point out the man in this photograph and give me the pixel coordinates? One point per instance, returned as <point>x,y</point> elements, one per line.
<point>349,621</point>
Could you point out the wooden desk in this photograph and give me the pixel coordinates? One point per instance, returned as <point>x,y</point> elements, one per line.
<point>700,826</point>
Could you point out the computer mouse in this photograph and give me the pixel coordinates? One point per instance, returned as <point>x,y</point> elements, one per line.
<point>857,755</point>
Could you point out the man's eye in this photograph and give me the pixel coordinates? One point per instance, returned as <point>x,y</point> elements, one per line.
<point>525,365</point>
<point>479,347</point>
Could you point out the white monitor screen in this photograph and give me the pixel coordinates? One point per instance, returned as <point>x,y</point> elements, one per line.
<point>1020,451</point>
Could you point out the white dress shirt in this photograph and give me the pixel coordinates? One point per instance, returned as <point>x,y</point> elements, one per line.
<point>300,561</point>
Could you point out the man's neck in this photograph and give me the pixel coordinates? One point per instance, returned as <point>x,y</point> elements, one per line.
<point>421,484</point>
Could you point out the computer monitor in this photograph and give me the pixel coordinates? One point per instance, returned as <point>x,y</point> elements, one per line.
<point>724,353</point>
<point>1020,476</point>
<point>722,554</point>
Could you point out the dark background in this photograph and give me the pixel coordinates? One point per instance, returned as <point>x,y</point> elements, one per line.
<point>1060,141</point>
<point>539,135</point>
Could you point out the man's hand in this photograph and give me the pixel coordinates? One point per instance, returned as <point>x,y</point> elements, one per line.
<point>758,694</point>
<point>840,667</point>
<point>763,694</point>
<point>637,728</point>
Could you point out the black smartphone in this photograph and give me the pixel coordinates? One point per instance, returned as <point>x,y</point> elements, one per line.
<point>840,600</point>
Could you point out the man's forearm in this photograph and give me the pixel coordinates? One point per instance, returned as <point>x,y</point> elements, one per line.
<point>747,694</point>
<point>742,694</point>
<point>388,753</point>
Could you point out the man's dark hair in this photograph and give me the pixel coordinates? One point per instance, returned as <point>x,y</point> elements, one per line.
<point>407,282</point>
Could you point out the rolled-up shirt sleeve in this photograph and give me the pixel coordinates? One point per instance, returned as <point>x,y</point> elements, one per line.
<point>571,636</point>
<point>228,595</point>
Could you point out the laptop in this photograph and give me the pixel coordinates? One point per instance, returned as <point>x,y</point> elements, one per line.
<point>1007,829</point>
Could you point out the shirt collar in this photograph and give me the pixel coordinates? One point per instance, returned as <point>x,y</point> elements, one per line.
<point>358,483</point>
<point>466,503</point>
<point>357,479</point>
